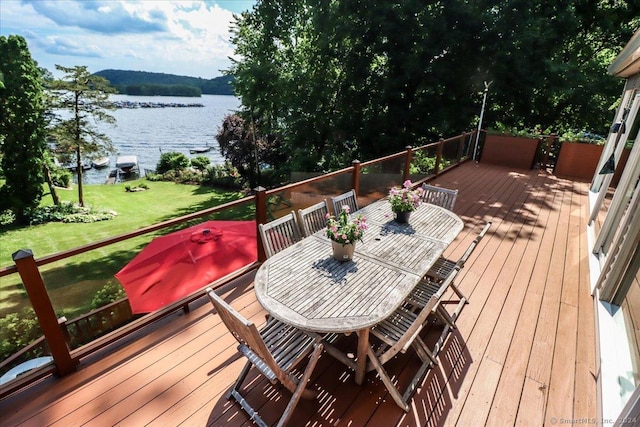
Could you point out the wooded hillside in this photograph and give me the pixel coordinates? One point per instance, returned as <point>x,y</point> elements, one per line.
<point>123,78</point>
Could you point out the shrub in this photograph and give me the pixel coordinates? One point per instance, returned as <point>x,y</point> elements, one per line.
<point>109,293</point>
<point>18,331</point>
<point>225,176</point>
<point>152,176</point>
<point>200,163</point>
<point>7,217</point>
<point>68,213</point>
<point>61,177</point>
<point>172,160</point>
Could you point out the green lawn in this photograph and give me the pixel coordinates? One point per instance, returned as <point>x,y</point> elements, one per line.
<point>72,283</point>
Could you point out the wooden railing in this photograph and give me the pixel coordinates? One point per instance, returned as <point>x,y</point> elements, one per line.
<point>58,338</point>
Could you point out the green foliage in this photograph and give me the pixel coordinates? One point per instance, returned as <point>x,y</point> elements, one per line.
<point>124,80</point>
<point>354,79</point>
<point>200,163</point>
<point>22,128</point>
<point>61,177</point>
<point>424,164</point>
<point>172,161</point>
<point>7,217</point>
<point>68,213</point>
<point>132,189</point>
<point>247,151</point>
<point>584,137</point>
<point>109,293</point>
<point>18,331</point>
<point>223,176</point>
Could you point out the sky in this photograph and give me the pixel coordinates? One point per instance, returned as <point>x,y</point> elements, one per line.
<point>189,38</point>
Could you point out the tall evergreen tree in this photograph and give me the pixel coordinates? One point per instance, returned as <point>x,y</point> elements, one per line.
<point>86,97</point>
<point>22,128</point>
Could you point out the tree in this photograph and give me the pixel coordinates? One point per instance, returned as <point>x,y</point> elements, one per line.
<point>22,128</point>
<point>335,80</point>
<point>86,97</point>
<point>549,60</point>
<point>245,150</point>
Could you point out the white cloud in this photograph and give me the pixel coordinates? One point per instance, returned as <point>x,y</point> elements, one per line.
<point>179,37</point>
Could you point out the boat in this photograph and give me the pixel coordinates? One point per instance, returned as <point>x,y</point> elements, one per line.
<point>127,163</point>
<point>73,167</point>
<point>102,162</point>
<point>198,150</point>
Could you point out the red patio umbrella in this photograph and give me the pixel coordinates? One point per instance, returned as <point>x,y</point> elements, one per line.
<point>175,265</point>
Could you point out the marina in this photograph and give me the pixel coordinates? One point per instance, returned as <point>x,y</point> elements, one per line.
<point>149,132</point>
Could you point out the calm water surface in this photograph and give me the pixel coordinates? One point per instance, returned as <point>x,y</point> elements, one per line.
<point>148,132</point>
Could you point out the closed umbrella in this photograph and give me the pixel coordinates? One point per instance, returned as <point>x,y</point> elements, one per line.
<point>180,263</point>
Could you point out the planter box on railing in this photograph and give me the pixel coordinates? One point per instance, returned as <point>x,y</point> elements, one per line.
<point>514,151</point>
<point>580,160</point>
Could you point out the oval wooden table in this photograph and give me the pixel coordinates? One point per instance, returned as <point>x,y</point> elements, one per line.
<point>306,287</point>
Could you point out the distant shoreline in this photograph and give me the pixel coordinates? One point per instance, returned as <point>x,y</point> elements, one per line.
<point>145,104</point>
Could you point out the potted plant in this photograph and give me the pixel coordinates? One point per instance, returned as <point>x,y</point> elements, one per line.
<point>344,232</point>
<point>404,200</point>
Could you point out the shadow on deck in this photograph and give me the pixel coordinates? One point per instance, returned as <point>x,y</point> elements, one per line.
<point>523,352</point>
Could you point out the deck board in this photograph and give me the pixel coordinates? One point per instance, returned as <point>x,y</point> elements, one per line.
<point>524,350</point>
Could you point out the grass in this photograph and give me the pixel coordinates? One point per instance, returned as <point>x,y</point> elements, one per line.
<point>73,282</point>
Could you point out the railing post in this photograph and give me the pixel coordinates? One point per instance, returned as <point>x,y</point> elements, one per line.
<point>53,334</point>
<point>261,218</point>
<point>407,163</point>
<point>439,156</point>
<point>356,176</point>
<point>461,143</point>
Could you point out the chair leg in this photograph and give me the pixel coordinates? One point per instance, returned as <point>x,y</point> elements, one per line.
<point>442,313</point>
<point>235,394</point>
<point>302,384</point>
<point>387,381</point>
<point>241,377</point>
<point>423,351</point>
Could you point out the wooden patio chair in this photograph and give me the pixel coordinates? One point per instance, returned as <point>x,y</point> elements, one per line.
<point>279,234</point>
<point>431,294</point>
<point>313,218</point>
<point>439,196</point>
<point>398,333</point>
<point>349,199</point>
<point>443,266</point>
<point>275,350</point>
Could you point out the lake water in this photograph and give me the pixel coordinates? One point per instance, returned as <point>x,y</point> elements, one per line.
<point>148,132</point>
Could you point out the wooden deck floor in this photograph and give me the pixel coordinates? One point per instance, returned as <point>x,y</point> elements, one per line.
<point>523,352</point>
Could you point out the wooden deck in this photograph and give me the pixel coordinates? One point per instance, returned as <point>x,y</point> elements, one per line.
<point>523,352</point>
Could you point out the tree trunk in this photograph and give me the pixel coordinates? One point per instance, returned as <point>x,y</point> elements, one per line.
<point>52,188</point>
<point>79,175</point>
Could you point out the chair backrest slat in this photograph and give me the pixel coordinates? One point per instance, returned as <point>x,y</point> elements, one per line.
<point>279,234</point>
<point>349,199</point>
<point>314,217</point>
<point>443,197</point>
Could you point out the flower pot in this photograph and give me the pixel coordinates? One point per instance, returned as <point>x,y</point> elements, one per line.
<point>403,217</point>
<point>343,252</point>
